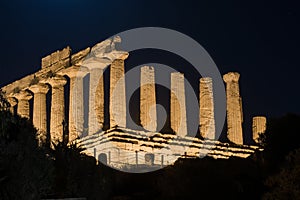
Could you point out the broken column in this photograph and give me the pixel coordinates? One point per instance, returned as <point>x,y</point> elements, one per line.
<point>57,108</point>
<point>259,125</point>
<point>148,115</point>
<point>39,111</point>
<point>117,96</point>
<point>206,111</point>
<point>178,107</point>
<point>23,103</point>
<point>234,108</point>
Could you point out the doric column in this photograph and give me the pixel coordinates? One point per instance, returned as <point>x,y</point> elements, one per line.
<point>259,125</point>
<point>234,108</point>
<point>117,100</point>
<point>76,100</point>
<point>12,102</point>
<point>96,99</point>
<point>23,103</point>
<point>40,110</point>
<point>206,111</point>
<point>96,67</point>
<point>148,115</point>
<point>57,108</point>
<point>178,106</point>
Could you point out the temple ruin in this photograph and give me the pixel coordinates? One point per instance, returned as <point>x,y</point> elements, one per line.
<point>62,67</point>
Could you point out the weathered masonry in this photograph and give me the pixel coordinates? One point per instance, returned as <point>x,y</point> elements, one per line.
<point>62,67</point>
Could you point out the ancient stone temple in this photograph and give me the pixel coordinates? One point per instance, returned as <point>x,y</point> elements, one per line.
<point>67,78</point>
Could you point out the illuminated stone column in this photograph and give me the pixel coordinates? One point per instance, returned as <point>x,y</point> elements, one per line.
<point>96,112</point>
<point>40,110</point>
<point>148,115</point>
<point>76,105</point>
<point>234,108</point>
<point>206,111</point>
<point>259,126</point>
<point>178,107</point>
<point>57,108</point>
<point>12,102</point>
<point>117,100</point>
<point>23,103</point>
<point>96,67</point>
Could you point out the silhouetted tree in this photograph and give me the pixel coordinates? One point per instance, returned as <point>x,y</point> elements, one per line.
<point>285,184</point>
<point>25,171</point>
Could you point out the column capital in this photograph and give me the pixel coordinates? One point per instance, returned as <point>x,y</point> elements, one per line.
<point>12,101</point>
<point>177,74</point>
<point>206,80</point>
<point>39,88</point>
<point>56,81</point>
<point>120,55</point>
<point>231,77</point>
<point>74,72</point>
<point>23,95</point>
<point>96,62</point>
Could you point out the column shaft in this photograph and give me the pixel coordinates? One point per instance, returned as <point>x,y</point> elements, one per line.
<point>57,109</point>
<point>40,111</point>
<point>76,108</point>
<point>117,100</point>
<point>96,101</point>
<point>234,108</point>
<point>259,125</point>
<point>206,111</point>
<point>148,114</point>
<point>178,106</point>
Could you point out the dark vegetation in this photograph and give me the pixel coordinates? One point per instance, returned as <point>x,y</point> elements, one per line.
<point>29,171</point>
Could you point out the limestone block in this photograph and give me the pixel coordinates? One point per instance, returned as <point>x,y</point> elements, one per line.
<point>65,53</point>
<point>178,105</point>
<point>148,115</point>
<point>259,126</point>
<point>56,56</point>
<point>234,108</point>
<point>46,61</point>
<point>76,59</point>
<point>206,111</point>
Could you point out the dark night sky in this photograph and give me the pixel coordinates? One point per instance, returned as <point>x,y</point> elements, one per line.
<point>259,39</point>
